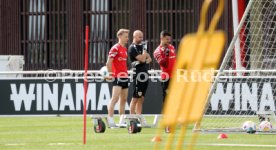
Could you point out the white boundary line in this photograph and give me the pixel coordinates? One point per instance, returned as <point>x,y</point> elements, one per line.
<point>50,144</point>
<point>15,144</point>
<point>62,144</point>
<point>235,145</point>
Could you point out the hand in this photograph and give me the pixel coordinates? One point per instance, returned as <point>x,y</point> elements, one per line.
<point>147,61</point>
<point>108,78</point>
<point>144,51</point>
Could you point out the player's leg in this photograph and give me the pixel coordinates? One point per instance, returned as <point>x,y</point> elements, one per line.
<point>142,87</point>
<point>139,92</point>
<point>123,100</point>
<point>139,109</point>
<point>139,105</point>
<point>134,99</point>
<point>116,91</point>
<point>123,95</point>
<point>165,85</point>
<point>133,104</point>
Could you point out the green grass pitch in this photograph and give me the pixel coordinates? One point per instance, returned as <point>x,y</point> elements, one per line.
<point>31,133</point>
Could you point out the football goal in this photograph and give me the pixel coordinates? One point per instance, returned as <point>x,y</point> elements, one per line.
<point>244,88</point>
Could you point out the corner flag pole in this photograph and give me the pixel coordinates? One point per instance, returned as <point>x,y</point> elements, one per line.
<point>85,82</point>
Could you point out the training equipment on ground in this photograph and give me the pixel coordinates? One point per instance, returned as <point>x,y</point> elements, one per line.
<point>244,88</point>
<point>265,126</point>
<point>99,126</point>
<point>156,139</point>
<point>104,72</point>
<point>223,136</point>
<point>249,127</point>
<point>133,127</point>
<point>133,123</point>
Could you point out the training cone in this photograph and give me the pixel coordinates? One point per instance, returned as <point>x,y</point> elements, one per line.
<point>156,139</point>
<point>222,136</point>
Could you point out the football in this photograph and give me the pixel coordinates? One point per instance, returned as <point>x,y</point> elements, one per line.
<point>265,126</point>
<point>104,71</point>
<point>249,127</point>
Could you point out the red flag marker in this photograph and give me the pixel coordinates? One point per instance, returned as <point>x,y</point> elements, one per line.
<point>85,81</point>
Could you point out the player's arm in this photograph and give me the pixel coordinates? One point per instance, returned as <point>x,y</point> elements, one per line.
<point>142,57</point>
<point>109,67</point>
<point>111,55</point>
<point>109,64</point>
<point>161,58</point>
<point>148,59</point>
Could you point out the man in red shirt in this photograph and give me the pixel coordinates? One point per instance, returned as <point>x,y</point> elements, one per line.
<point>165,55</point>
<point>117,66</point>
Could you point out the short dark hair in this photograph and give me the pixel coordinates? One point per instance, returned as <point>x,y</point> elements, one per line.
<point>165,33</point>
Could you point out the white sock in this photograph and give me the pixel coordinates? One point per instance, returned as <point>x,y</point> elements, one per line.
<point>110,120</point>
<point>122,119</point>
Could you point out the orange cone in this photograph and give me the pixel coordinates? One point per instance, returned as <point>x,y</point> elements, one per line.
<point>222,136</point>
<point>156,139</point>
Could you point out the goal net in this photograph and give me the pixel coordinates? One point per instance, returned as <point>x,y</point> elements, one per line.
<point>245,86</point>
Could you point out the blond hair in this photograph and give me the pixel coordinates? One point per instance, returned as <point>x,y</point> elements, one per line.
<point>122,31</point>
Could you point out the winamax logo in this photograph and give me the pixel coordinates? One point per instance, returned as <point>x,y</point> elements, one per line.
<point>47,96</point>
<point>243,96</point>
<point>60,97</point>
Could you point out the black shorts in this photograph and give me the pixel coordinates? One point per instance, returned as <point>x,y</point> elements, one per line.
<point>122,82</point>
<point>140,86</point>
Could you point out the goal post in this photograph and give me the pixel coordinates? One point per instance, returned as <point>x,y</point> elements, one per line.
<point>239,95</point>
